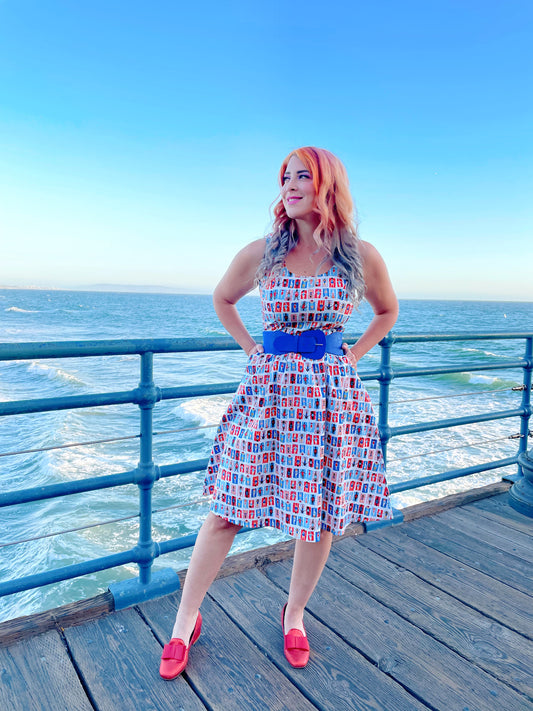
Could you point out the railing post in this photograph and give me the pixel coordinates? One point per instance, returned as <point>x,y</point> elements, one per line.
<point>384,387</point>
<point>146,472</point>
<point>385,378</point>
<point>526,400</point>
<point>521,493</point>
<point>147,585</point>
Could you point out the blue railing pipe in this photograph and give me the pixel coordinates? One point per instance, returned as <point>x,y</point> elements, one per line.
<point>86,349</point>
<point>67,572</point>
<point>443,337</point>
<point>53,491</point>
<point>448,369</point>
<point>526,398</point>
<point>69,402</point>
<point>385,377</point>
<point>456,421</point>
<point>521,493</point>
<point>451,474</point>
<point>147,470</point>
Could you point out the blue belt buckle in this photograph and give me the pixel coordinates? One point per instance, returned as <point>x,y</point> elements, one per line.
<point>312,344</point>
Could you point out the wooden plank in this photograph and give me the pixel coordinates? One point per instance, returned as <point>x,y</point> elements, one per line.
<point>75,613</point>
<point>491,646</point>
<point>226,668</point>
<point>523,525</point>
<point>482,556</point>
<point>499,505</point>
<point>422,665</point>
<point>428,508</point>
<point>257,558</point>
<point>496,502</point>
<point>118,659</point>
<point>38,674</point>
<point>503,513</point>
<point>337,678</point>
<point>496,534</point>
<point>492,598</point>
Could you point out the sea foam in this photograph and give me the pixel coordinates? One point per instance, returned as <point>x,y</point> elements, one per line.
<point>202,412</point>
<point>52,372</point>
<point>21,311</point>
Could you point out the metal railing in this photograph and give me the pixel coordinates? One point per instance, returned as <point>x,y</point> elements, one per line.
<point>146,396</point>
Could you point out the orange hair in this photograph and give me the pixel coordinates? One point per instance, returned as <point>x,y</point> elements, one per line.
<point>336,231</point>
<point>334,203</point>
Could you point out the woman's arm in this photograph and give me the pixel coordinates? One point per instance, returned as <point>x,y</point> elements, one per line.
<point>236,283</point>
<point>381,297</point>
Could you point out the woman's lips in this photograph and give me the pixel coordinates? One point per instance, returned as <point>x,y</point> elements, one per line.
<point>292,200</point>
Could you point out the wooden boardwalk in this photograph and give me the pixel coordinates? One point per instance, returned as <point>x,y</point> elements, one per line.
<point>434,613</point>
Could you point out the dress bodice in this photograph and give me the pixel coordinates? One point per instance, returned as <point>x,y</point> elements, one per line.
<point>296,303</point>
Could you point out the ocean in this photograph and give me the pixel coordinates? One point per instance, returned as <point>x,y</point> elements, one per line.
<point>40,315</point>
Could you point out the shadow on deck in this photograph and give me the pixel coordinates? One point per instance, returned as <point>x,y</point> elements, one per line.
<point>433,613</point>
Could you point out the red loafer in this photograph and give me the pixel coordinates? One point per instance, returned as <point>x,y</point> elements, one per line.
<point>295,645</point>
<point>176,653</point>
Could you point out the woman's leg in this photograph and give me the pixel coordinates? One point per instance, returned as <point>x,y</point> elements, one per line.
<point>212,545</point>
<point>309,562</point>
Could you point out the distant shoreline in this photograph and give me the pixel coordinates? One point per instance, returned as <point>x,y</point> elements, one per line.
<point>133,289</point>
<point>111,288</point>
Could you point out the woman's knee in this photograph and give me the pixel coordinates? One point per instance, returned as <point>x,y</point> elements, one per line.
<point>217,524</point>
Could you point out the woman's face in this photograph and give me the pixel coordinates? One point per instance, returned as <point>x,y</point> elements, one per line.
<point>297,191</point>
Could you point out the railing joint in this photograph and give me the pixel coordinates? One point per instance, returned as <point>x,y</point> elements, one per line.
<point>146,474</point>
<point>386,374</point>
<point>388,340</point>
<point>146,396</point>
<point>145,553</point>
<point>384,433</point>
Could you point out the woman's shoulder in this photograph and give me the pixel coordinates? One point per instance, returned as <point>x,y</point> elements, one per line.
<point>250,256</point>
<point>373,263</point>
<point>257,246</point>
<point>366,249</point>
<point>368,253</point>
<point>254,251</point>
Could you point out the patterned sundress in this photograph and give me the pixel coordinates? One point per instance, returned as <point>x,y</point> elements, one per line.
<point>298,447</point>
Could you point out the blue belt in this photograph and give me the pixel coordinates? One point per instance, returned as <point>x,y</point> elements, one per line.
<point>311,344</point>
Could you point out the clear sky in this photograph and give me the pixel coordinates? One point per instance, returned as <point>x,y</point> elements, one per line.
<point>140,141</point>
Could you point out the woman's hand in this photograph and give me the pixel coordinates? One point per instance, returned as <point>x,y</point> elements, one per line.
<point>349,354</point>
<point>256,348</point>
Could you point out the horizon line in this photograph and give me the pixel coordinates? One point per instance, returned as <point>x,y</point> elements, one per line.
<point>140,289</point>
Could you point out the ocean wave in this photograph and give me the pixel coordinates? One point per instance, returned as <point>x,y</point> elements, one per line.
<point>486,353</point>
<point>53,372</point>
<point>202,411</point>
<point>21,311</point>
<point>476,378</point>
<point>491,381</point>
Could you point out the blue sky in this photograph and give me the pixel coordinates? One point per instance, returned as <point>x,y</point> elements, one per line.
<point>140,142</point>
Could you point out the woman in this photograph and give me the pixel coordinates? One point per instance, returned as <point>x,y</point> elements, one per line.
<point>298,447</point>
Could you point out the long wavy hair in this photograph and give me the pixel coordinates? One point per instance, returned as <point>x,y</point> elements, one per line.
<point>337,229</point>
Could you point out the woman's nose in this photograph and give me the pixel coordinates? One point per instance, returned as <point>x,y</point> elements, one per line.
<point>290,183</point>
